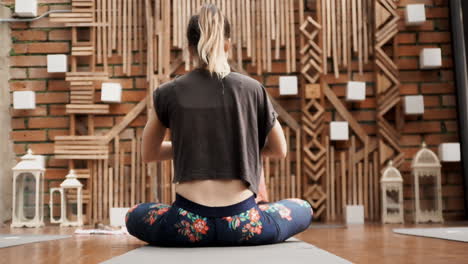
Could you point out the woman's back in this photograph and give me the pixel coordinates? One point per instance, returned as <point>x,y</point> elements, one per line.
<point>218,128</point>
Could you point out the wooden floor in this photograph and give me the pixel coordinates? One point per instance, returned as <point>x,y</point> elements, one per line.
<point>371,243</point>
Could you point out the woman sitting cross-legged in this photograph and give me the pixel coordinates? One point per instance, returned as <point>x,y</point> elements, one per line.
<point>221,124</point>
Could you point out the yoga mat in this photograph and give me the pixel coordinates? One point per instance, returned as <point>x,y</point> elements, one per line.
<point>10,240</point>
<point>448,233</point>
<point>292,251</point>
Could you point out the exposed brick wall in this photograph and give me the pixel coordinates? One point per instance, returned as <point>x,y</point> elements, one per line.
<point>36,128</point>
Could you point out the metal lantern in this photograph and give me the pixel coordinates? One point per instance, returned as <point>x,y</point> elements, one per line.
<point>70,193</point>
<point>31,166</point>
<point>392,195</point>
<point>426,164</point>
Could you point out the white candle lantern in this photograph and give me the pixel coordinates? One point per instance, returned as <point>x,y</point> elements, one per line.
<point>392,195</point>
<point>70,192</point>
<point>31,166</point>
<point>426,164</point>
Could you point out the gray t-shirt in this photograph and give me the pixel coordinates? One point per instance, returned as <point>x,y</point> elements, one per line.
<point>217,127</point>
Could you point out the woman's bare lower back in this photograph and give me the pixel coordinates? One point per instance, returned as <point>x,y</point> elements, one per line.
<point>214,192</point>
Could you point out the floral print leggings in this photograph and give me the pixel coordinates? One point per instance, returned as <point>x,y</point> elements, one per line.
<point>186,223</point>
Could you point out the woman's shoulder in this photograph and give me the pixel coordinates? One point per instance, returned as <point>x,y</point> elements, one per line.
<point>246,80</point>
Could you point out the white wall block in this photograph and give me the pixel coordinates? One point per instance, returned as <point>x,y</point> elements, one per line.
<point>111,92</point>
<point>57,63</point>
<point>415,14</point>
<point>449,152</point>
<point>288,85</point>
<point>414,105</point>
<point>24,100</point>
<point>430,58</point>
<point>117,216</point>
<point>356,91</point>
<point>339,131</point>
<point>26,8</point>
<point>354,214</point>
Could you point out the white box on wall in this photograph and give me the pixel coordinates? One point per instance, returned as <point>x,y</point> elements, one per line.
<point>57,63</point>
<point>288,85</point>
<point>430,58</point>
<point>449,152</point>
<point>415,14</point>
<point>26,8</point>
<point>117,216</point>
<point>111,92</point>
<point>339,130</point>
<point>354,214</point>
<point>414,105</point>
<point>24,100</point>
<point>356,91</point>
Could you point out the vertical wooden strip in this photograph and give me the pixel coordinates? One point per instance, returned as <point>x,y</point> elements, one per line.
<point>124,38</point>
<point>353,164</point>
<point>106,191</point>
<point>288,164</point>
<point>354,25</point>
<point>298,174</point>
<point>338,31</point>
<point>293,37</point>
<point>135,24</point>
<point>366,177</point>
<point>360,183</point>
<point>116,171</point>
<point>100,189</point>
<point>335,37</point>
<point>121,180</point>
<point>344,32</point>
<point>114,25</point>
<point>248,25</point>
<point>119,27</point>
<point>343,180</point>
<point>259,41</point>
<point>111,184</point>
<point>332,181</point>
<point>371,186</point>
<point>133,170</point>
<point>95,190</point>
<point>327,178</point>
<point>98,32</point>
<point>138,168</point>
<point>376,186</point>
<point>337,190</point>
<point>288,36</point>
<point>323,33</point>
<point>360,36</point>
<point>329,28</point>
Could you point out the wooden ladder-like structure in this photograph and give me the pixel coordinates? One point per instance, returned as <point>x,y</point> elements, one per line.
<point>90,147</point>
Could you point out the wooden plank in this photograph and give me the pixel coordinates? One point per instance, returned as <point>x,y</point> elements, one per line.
<point>366,178</point>
<point>129,117</point>
<point>116,171</point>
<point>353,169</point>
<point>332,182</point>
<point>133,187</point>
<point>106,190</point>
<point>121,180</point>
<point>341,109</point>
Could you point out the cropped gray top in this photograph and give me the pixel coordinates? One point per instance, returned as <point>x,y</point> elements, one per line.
<point>218,127</point>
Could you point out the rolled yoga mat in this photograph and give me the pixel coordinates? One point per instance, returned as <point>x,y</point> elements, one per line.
<point>292,251</point>
<point>448,233</point>
<point>10,240</point>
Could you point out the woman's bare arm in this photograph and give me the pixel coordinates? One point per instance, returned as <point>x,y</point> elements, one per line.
<point>275,146</point>
<point>153,147</point>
